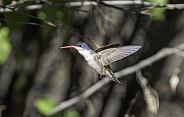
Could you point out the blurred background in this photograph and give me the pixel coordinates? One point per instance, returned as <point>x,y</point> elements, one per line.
<point>35,76</point>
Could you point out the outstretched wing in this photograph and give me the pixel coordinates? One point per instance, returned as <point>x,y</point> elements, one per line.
<point>114,54</point>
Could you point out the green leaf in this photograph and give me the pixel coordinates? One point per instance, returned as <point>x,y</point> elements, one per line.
<point>59,15</point>
<point>20,83</point>
<point>71,113</point>
<point>41,14</point>
<point>158,14</point>
<point>44,105</point>
<point>159,1</point>
<point>5,45</point>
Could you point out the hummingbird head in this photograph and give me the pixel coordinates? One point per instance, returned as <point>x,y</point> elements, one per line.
<point>78,46</point>
<point>82,45</point>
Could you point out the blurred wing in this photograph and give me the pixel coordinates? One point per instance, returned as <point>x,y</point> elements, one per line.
<point>114,45</point>
<point>114,54</point>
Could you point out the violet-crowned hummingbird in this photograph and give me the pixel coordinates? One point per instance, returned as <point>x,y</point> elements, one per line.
<point>100,59</point>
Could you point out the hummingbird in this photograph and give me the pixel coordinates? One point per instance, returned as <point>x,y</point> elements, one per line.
<point>100,58</point>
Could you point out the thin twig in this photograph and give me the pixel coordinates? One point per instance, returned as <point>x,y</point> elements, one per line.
<point>90,91</point>
<point>132,102</point>
<point>150,95</point>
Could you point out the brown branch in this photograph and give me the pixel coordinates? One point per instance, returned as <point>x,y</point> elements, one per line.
<point>151,5</point>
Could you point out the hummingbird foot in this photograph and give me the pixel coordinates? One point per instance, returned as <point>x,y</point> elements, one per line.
<point>102,76</point>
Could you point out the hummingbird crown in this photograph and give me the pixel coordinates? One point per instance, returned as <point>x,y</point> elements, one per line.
<point>82,45</point>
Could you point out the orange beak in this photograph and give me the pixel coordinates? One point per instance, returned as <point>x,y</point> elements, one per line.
<point>67,47</point>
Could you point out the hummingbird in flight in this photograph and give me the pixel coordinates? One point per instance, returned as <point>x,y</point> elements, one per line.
<point>100,58</point>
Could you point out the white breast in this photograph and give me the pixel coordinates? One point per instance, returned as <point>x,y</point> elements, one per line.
<point>89,58</point>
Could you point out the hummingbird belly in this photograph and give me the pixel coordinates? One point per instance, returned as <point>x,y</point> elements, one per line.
<point>93,60</point>
<point>95,66</point>
<point>98,66</point>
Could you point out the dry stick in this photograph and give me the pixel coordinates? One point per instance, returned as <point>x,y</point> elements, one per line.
<point>142,64</point>
<point>91,3</point>
<point>132,102</point>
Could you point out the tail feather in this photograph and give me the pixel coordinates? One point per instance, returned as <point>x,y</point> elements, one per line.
<point>111,74</point>
<point>115,79</point>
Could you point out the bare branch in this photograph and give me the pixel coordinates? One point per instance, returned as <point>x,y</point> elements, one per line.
<point>132,102</point>
<point>2,108</point>
<point>10,8</point>
<point>142,64</point>
<point>149,94</point>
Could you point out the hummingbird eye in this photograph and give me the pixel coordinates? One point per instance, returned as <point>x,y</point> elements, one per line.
<point>80,45</point>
